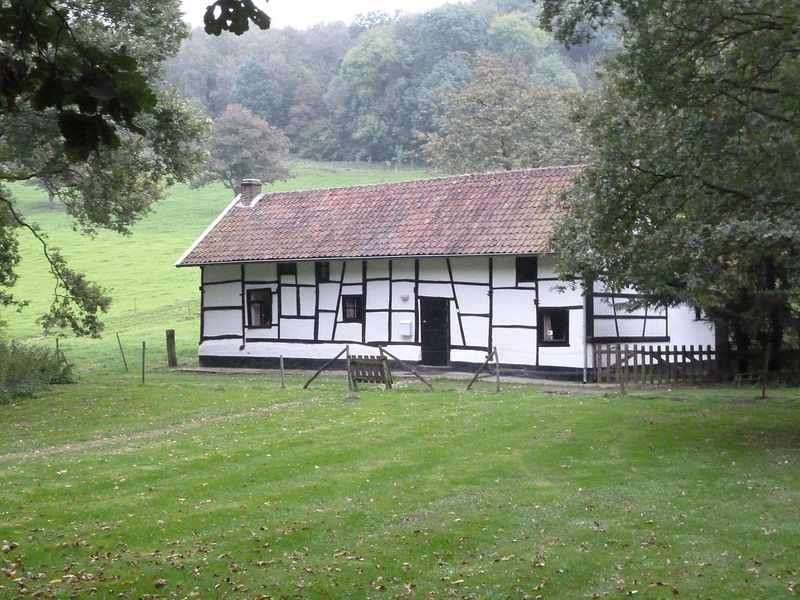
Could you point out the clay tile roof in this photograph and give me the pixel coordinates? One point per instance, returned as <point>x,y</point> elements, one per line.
<point>509,212</point>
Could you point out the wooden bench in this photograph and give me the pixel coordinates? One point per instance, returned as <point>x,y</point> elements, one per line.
<point>368,369</point>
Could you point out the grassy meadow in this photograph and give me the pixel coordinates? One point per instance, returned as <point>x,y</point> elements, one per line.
<point>149,294</point>
<point>201,486</point>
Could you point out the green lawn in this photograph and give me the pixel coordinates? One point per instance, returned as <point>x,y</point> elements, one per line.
<point>149,294</point>
<point>206,486</point>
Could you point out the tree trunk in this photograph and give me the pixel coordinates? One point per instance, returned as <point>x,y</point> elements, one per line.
<point>743,343</point>
<point>722,346</point>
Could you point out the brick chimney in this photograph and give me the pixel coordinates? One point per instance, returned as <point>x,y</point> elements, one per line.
<point>249,189</point>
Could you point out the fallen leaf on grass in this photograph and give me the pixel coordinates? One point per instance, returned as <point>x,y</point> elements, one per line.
<point>8,546</point>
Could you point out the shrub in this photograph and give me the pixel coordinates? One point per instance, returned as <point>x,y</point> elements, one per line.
<point>25,369</point>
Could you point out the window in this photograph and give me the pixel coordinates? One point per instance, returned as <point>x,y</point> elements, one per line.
<point>259,307</point>
<point>353,309</point>
<point>287,268</point>
<point>323,272</point>
<point>526,269</point>
<point>553,327</point>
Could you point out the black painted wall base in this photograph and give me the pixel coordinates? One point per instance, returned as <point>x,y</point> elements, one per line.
<point>264,362</point>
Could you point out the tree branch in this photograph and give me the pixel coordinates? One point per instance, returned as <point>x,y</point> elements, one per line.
<point>35,232</point>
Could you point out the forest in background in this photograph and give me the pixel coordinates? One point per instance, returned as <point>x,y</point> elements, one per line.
<point>403,88</point>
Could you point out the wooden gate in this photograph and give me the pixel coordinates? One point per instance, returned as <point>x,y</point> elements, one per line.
<point>653,365</point>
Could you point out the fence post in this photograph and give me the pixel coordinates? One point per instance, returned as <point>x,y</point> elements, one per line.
<point>497,368</point>
<point>713,369</point>
<point>701,364</point>
<point>597,349</point>
<point>602,368</point>
<point>670,360</point>
<point>172,357</point>
<point>685,373</point>
<point>624,365</point>
<point>643,358</point>
<point>350,382</point>
<point>660,365</point>
<point>121,351</point>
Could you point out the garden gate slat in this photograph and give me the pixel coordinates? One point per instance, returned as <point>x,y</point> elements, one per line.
<point>369,369</point>
<point>617,363</point>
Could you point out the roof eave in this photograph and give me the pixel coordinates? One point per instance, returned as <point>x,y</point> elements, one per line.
<point>180,262</point>
<point>376,257</point>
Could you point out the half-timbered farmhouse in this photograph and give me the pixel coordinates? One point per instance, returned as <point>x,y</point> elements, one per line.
<point>437,271</point>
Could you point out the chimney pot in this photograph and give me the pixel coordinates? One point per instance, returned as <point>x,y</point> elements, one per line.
<point>248,190</point>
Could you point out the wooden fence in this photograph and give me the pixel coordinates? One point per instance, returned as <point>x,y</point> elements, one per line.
<point>653,365</point>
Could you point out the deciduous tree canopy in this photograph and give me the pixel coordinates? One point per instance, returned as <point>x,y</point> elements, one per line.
<point>242,146</point>
<point>502,120</point>
<point>694,193</point>
<point>83,107</point>
<point>377,83</point>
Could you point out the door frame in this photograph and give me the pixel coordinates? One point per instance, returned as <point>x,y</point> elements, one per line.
<point>447,346</point>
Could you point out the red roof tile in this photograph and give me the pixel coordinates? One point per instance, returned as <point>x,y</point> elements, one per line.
<point>508,212</point>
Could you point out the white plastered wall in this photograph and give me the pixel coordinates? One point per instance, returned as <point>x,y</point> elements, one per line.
<point>504,316</point>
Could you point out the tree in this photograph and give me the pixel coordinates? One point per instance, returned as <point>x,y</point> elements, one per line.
<point>81,104</point>
<point>503,121</point>
<point>429,97</point>
<point>515,39</point>
<point>244,146</point>
<point>374,18</point>
<point>262,90</point>
<point>693,195</point>
<point>366,96</point>
<point>309,125</point>
<point>518,43</point>
<point>203,71</point>
<point>438,33</point>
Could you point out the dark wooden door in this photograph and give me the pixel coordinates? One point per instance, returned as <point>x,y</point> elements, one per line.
<point>435,331</point>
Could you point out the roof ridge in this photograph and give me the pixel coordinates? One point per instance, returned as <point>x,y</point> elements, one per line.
<point>427,179</point>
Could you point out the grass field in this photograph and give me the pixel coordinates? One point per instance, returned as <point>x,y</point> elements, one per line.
<point>149,294</point>
<point>206,486</point>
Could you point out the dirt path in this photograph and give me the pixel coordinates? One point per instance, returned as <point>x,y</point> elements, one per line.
<point>124,440</point>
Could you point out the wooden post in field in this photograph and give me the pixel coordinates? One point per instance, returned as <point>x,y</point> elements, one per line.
<point>60,356</point>
<point>388,374</point>
<point>620,377</point>
<point>323,367</point>
<point>143,350</point>
<point>409,369</point>
<point>122,352</point>
<point>349,374</point>
<point>172,357</point>
<point>497,368</point>
<point>283,382</point>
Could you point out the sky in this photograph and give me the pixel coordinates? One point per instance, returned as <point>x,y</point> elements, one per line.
<point>302,14</point>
